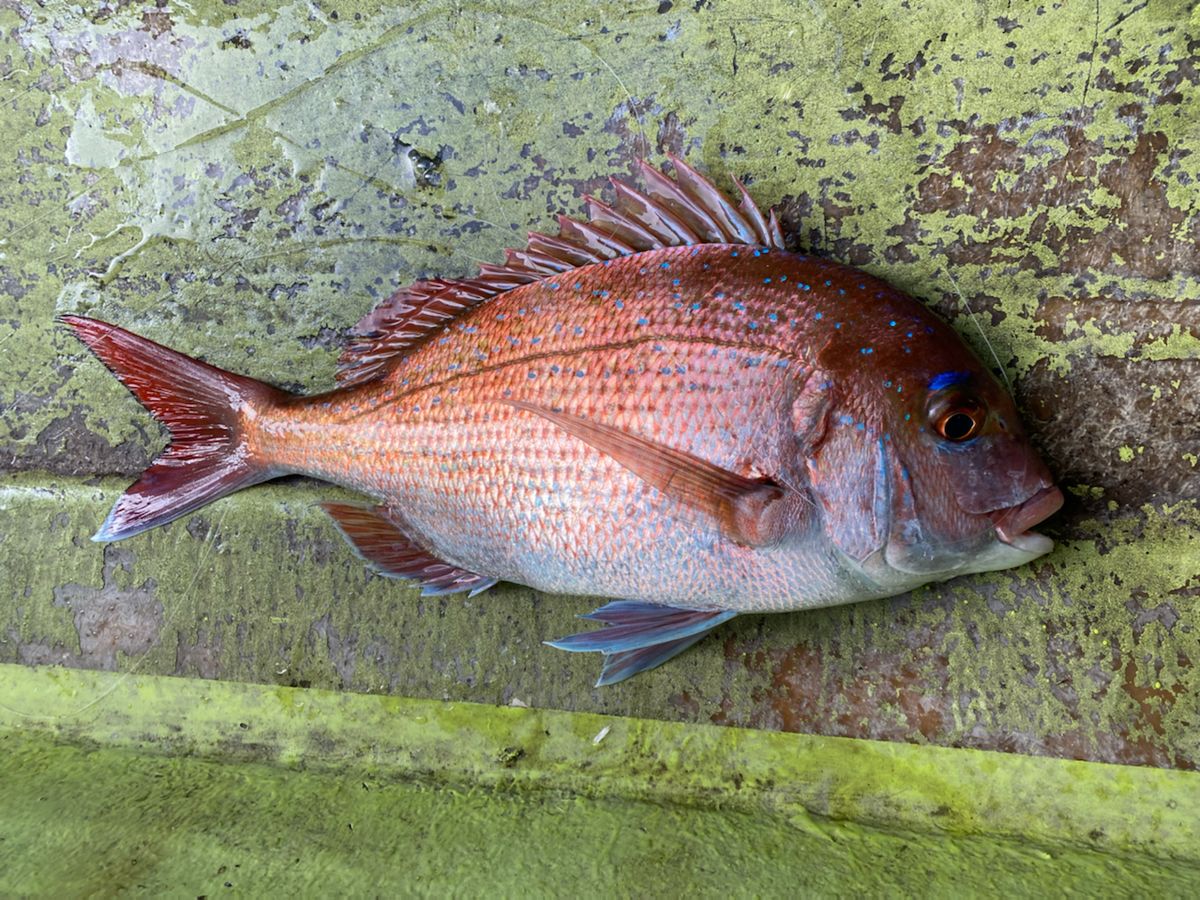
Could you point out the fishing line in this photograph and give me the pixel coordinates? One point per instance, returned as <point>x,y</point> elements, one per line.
<point>979,328</point>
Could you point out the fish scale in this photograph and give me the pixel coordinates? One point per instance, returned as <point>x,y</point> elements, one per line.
<point>697,429</point>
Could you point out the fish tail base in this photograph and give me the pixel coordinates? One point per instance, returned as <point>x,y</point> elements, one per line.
<point>203,407</point>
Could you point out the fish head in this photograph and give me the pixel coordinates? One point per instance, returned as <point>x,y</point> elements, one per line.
<point>979,486</point>
<point>948,481</point>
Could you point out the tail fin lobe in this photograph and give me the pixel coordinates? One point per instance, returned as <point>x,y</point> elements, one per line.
<point>202,407</point>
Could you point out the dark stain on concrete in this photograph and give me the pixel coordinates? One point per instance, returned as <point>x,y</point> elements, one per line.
<point>109,620</point>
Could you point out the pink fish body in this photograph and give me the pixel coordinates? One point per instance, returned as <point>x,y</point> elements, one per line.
<point>660,405</point>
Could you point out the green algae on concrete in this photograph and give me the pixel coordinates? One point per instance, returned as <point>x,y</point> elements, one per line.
<point>181,784</point>
<point>157,826</point>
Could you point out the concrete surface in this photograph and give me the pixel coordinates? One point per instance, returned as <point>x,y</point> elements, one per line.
<point>191,787</point>
<point>243,180</point>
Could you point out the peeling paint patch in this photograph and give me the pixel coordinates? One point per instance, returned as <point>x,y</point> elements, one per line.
<point>111,622</point>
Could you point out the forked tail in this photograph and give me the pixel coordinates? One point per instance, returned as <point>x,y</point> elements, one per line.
<point>203,406</point>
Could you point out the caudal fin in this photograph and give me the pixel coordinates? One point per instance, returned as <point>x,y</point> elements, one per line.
<point>201,405</point>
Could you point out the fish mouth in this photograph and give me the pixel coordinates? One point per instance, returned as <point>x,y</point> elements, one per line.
<point>1014,523</point>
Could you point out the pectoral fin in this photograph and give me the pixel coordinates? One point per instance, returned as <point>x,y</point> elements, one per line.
<point>749,511</point>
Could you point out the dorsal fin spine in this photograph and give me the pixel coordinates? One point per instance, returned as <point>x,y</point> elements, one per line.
<point>604,245</point>
<point>672,230</point>
<point>686,210</point>
<point>662,188</point>
<point>632,233</point>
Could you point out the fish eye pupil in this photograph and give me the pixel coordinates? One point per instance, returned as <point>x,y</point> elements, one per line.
<point>958,426</point>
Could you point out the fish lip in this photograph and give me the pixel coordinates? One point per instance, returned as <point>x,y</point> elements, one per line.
<point>1013,524</point>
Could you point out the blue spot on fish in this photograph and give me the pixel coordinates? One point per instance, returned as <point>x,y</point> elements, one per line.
<point>819,316</point>
<point>643,321</point>
<point>665,265</point>
<point>947,379</point>
<point>866,351</point>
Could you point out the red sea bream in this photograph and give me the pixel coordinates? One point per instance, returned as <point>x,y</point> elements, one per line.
<point>660,404</point>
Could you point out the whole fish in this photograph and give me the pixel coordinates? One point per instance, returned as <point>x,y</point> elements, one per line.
<point>659,404</point>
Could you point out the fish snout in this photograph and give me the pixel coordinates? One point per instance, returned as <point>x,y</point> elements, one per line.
<point>1013,524</point>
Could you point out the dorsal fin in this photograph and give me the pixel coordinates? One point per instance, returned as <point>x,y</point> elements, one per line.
<point>670,213</point>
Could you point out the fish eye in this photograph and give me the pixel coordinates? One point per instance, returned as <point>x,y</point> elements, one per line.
<point>959,420</point>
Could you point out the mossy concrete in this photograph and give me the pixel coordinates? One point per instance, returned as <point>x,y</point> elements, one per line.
<point>186,786</point>
<point>244,181</point>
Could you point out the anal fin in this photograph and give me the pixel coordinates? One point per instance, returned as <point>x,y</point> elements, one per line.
<point>377,535</point>
<point>639,636</point>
